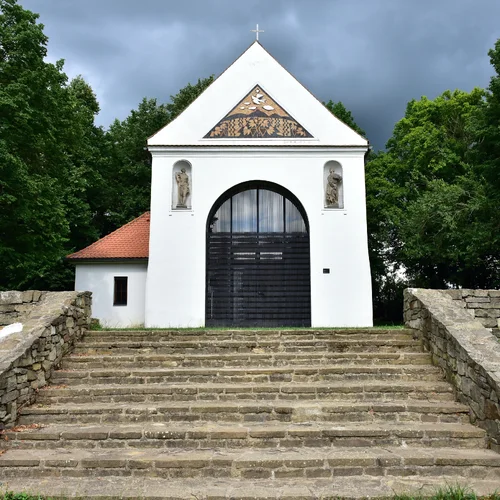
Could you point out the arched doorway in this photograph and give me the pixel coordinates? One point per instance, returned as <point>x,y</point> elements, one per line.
<point>258,258</point>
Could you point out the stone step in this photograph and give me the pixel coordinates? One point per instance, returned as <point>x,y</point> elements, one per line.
<point>345,391</point>
<point>256,359</point>
<point>214,346</point>
<point>248,374</point>
<point>248,335</point>
<point>251,463</point>
<point>150,488</point>
<point>252,413</point>
<point>247,411</point>
<point>196,436</point>
<point>347,487</point>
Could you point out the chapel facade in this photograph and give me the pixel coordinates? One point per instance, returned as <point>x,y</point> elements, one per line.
<point>258,215</point>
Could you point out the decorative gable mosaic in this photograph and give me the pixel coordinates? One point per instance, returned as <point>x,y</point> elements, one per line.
<point>258,116</point>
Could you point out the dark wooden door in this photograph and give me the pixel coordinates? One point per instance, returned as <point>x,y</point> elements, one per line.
<point>257,278</point>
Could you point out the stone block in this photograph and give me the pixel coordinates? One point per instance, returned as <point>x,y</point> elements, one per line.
<point>7,308</point>
<point>491,410</point>
<point>8,397</point>
<point>11,382</point>
<point>481,313</point>
<point>492,304</point>
<point>492,313</point>
<point>256,474</point>
<point>416,324</point>
<point>11,297</point>
<point>89,463</point>
<point>27,296</point>
<point>488,322</point>
<point>41,378</point>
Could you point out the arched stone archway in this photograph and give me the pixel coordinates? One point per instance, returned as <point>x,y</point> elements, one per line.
<point>258,258</point>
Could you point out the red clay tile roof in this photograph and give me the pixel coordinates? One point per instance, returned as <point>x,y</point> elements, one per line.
<point>130,241</point>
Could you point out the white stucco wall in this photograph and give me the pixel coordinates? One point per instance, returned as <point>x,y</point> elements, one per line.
<point>99,279</point>
<point>175,290</point>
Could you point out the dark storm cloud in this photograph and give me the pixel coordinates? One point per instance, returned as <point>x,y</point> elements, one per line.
<point>373,55</point>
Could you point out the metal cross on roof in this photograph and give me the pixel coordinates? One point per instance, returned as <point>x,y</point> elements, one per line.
<point>257,31</point>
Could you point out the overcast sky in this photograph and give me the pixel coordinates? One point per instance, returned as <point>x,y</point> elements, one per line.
<point>373,55</point>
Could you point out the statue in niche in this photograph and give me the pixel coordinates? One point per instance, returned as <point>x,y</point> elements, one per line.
<point>332,189</point>
<point>182,188</point>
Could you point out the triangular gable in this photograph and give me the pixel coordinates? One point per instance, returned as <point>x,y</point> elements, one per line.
<point>197,124</point>
<point>257,115</point>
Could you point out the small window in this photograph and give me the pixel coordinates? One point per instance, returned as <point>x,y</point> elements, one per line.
<point>120,297</point>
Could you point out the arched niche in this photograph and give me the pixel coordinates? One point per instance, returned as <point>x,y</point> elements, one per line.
<point>333,185</point>
<point>182,185</point>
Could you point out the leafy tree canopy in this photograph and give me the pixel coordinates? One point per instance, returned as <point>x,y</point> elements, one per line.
<point>343,114</point>
<point>130,167</point>
<point>429,201</point>
<point>33,227</point>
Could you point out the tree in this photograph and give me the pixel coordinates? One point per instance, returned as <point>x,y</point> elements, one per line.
<point>85,189</point>
<point>50,158</point>
<point>342,113</point>
<point>185,96</point>
<point>129,174</point>
<point>130,164</point>
<point>488,130</point>
<point>428,199</point>
<point>33,229</point>
<point>487,158</point>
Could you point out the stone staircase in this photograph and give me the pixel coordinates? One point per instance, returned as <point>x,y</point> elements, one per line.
<point>246,414</point>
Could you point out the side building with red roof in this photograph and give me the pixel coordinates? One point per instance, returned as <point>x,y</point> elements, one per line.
<point>114,269</point>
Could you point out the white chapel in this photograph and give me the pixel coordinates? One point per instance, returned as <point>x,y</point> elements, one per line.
<point>258,215</point>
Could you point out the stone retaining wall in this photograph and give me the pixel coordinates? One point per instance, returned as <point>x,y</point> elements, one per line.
<point>14,306</point>
<point>467,352</point>
<point>52,321</point>
<point>484,305</point>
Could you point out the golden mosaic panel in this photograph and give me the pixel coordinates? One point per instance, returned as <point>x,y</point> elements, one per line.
<point>257,116</point>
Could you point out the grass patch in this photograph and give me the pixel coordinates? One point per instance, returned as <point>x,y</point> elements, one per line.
<point>22,496</point>
<point>450,492</point>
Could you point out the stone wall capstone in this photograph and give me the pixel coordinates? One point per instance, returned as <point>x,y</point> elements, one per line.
<point>52,321</point>
<point>468,353</point>
<point>484,305</point>
<point>14,305</point>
